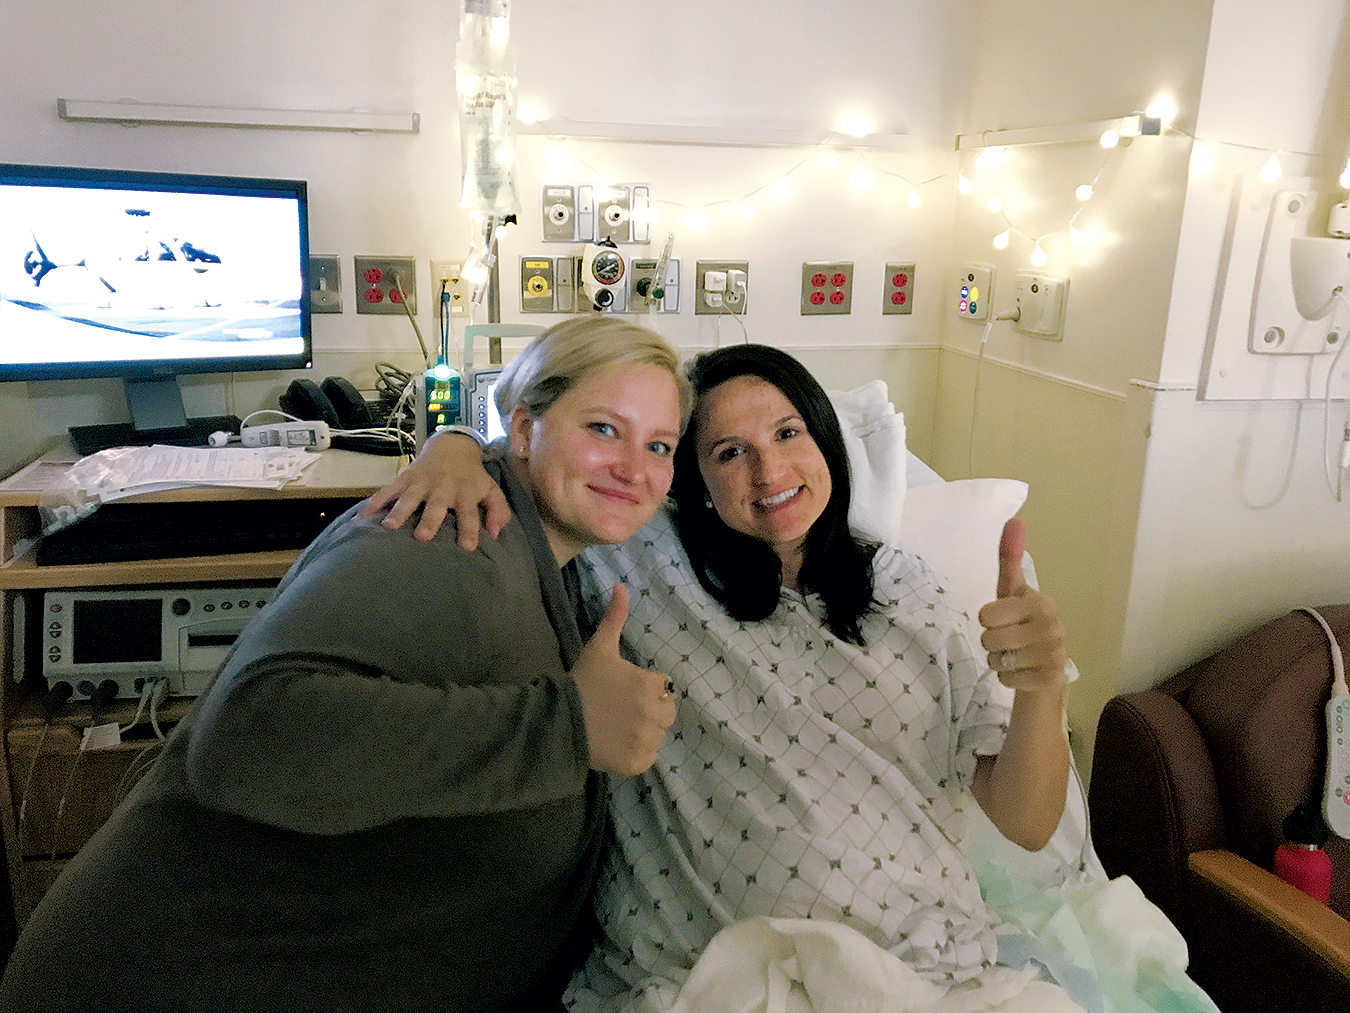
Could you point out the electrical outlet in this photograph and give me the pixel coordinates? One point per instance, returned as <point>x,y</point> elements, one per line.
<point>644,291</point>
<point>721,287</point>
<point>560,213</point>
<point>536,284</point>
<point>383,283</point>
<point>827,287</point>
<point>974,291</point>
<point>897,289</point>
<point>325,284</point>
<point>450,273</point>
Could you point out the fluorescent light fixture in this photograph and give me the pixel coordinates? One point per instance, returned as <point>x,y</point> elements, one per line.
<point>82,110</point>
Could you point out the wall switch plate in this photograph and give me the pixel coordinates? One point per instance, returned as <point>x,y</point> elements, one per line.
<point>559,209</point>
<point>827,287</point>
<point>1041,301</point>
<point>897,289</point>
<point>566,282</point>
<point>640,214</point>
<point>382,283</point>
<point>726,292</point>
<point>643,292</point>
<point>536,285</point>
<point>325,283</point>
<point>585,213</point>
<point>974,291</point>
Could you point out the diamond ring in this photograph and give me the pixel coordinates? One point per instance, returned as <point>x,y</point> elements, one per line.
<point>1007,661</point>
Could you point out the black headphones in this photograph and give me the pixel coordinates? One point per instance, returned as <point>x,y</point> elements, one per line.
<point>339,404</point>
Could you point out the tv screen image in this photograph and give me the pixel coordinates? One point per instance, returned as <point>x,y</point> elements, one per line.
<point>145,276</point>
<point>92,274</point>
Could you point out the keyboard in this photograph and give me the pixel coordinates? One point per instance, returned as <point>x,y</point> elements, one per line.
<point>120,532</point>
<point>91,439</point>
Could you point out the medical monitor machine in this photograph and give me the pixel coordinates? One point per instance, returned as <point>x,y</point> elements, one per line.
<point>146,276</point>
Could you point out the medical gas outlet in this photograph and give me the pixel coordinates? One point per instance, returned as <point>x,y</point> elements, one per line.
<point>587,213</point>
<point>600,279</point>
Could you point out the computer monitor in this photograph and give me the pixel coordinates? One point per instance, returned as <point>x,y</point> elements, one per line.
<point>147,276</point>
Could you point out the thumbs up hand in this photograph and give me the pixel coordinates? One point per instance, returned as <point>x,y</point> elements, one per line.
<point>627,708</point>
<point>1022,631</point>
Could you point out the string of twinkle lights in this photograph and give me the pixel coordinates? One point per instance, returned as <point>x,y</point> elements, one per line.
<point>1154,120</point>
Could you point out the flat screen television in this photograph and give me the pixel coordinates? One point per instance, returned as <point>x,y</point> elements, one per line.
<point>147,276</point>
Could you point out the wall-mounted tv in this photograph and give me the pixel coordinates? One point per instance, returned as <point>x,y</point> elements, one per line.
<point>149,275</point>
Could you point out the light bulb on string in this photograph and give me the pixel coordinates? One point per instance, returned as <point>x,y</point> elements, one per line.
<point>747,210</point>
<point>861,179</point>
<point>992,158</point>
<point>1110,138</point>
<point>914,199</point>
<point>962,184</point>
<point>697,221</point>
<point>1084,192</point>
<point>995,204</point>
<point>1272,170</point>
<point>1001,240</point>
<point>781,188</point>
<point>1038,256</point>
<point>1077,237</point>
<point>828,159</point>
<point>1345,176</point>
<point>1161,109</point>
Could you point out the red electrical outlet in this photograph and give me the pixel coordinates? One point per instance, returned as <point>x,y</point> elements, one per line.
<point>827,288</point>
<point>388,280</point>
<point>897,290</point>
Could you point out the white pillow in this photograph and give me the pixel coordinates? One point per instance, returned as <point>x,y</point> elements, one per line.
<point>874,436</point>
<point>956,528</point>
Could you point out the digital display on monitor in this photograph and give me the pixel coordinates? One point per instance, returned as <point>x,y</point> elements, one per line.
<point>137,274</point>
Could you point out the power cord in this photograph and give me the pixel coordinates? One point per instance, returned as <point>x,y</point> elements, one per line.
<point>52,701</point>
<point>102,695</point>
<point>1335,487</point>
<point>1014,316</point>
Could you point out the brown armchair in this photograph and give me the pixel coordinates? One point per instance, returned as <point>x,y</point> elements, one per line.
<point>1190,784</point>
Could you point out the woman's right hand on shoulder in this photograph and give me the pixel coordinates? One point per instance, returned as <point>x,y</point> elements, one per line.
<point>447,476</point>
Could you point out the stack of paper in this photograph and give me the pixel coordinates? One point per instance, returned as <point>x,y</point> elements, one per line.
<point>136,470</point>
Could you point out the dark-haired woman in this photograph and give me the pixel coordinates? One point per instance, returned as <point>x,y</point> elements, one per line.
<point>831,709</point>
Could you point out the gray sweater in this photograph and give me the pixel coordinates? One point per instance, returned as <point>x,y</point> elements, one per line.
<point>382,803</point>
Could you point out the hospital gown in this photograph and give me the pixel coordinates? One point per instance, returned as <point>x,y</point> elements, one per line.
<point>804,776</point>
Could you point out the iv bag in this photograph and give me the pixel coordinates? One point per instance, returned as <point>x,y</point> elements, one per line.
<point>485,81</point>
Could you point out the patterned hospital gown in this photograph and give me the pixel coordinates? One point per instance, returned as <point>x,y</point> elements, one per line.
<point>803,777</point>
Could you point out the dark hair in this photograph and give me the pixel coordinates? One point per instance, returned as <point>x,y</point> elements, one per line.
<point>744,574</point>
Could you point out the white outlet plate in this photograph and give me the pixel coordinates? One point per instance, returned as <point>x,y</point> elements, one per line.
<point>452,273</point>
<point>1041,300</point>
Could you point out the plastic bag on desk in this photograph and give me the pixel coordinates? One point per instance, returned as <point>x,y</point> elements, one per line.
<point>78,493</point>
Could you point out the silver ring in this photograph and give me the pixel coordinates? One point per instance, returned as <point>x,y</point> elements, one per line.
<point>1007,661</point>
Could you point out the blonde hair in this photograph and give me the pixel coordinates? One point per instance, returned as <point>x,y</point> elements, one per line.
<point>565,353</point>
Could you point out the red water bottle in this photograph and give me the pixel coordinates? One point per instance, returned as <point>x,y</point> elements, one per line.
<point>1300,861</point>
